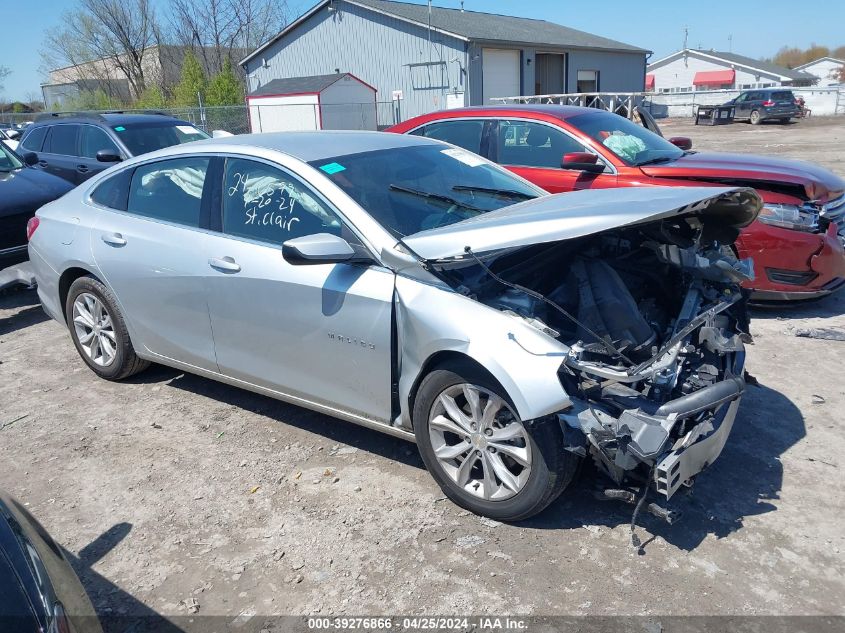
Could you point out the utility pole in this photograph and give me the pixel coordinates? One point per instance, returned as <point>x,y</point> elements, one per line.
<point>686,35</point>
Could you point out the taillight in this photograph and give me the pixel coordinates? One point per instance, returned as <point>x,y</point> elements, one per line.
<point>31,226</point>
<point>768,104</point>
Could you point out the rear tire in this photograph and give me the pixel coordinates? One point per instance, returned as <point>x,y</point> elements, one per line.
<point>508,470</point>
<point>755,118</point>
<point>99,332</point>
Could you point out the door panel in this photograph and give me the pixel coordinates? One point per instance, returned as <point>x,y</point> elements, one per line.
<point>59,154</point>
<point>318,332</point>
<point>153,257</point>
<point>93,139</point>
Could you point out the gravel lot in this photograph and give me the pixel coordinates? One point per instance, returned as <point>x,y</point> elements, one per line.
<point>171,490</point>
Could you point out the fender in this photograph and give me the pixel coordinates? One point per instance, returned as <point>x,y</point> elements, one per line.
<point>434,318</point>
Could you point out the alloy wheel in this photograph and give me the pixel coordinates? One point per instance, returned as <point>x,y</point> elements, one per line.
<point>479,442</point>
<point>94,329</point>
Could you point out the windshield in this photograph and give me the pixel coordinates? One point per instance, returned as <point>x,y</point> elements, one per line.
<point>141,138</point>
<point>412,189</point>
<point>8,159</point>
<point>632,143</point>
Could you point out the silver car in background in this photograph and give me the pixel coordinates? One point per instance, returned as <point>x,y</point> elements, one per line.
<point>412,287</point>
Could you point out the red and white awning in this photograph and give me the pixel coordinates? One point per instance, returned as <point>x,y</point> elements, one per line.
<point>714,77</point>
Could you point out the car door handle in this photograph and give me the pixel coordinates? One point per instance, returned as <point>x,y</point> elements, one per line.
<point>224,264</point>
<point>82,169</point>
<point>114,239</point>
<point>42,163</point>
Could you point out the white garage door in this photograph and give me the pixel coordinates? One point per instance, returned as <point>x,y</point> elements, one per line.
<point>500,73</point>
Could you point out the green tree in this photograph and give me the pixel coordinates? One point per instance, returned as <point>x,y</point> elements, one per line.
<point>191,83</point>
<point>225,88</point>
<point>93,100</point>
<point>151,98</point>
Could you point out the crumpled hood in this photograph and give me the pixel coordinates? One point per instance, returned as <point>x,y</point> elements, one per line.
<point>818,183</point>
<point>578,214</point>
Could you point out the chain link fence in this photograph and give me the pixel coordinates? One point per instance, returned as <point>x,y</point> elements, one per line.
<point>233,119</point>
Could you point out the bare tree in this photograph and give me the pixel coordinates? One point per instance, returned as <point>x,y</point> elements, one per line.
<point>4,72</point>
<point>105,39</point>
<point>218,29</point>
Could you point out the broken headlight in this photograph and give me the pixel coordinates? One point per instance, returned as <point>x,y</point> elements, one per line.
<point>790,216</point>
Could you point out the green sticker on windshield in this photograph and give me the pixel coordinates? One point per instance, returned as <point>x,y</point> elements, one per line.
<point>120,128</point>
<point>332,168</point>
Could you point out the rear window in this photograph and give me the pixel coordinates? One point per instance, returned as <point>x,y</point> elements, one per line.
<point>34,139</point>
<point>113,192</point>
<point>141,138</point>
<point>783,95</point>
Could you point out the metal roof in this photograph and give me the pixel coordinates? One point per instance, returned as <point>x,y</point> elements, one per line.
<point>300,85</point>
<point>740,60</point>
<point>475,26</point>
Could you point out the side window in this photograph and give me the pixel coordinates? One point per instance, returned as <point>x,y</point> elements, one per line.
<point>267,204</point>
<point>169,190</point>
<point>62,140</point>
<point>466,134</point>
<point>113,192</point>
<point>94,139</point>
<point>741,98</point>
<point>34,139</point>
<point>527,144</point>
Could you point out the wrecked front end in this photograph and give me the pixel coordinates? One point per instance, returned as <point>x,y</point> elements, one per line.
<point>655,323</point>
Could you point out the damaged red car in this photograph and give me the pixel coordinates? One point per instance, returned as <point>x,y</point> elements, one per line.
<point>796,242</point>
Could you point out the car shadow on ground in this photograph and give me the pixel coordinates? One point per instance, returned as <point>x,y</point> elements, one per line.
<point>29,311</point>
<point>118,610</point>
<point>745,481</point>
<point>826,307</point>
<point>332,429</point>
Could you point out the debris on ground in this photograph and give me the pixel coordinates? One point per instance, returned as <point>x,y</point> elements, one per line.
<point>823,333</point>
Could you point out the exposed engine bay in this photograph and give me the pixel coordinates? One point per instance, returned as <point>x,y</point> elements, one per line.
<point>655,322</point>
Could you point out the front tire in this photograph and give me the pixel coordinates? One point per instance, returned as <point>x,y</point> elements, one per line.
<point>482,456</point>
<point>99,332</point>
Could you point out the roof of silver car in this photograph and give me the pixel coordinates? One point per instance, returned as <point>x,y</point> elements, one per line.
<point>315,146</point>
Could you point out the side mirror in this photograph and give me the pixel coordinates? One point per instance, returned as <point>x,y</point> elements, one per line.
<point>681,142</point>
<point>108,156</point>
<point>322,248</point>
<point>582,161</point>
<point>30,158</point>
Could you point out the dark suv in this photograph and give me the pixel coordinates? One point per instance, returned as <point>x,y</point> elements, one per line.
<point>769,103</point>
<point>77,146</point>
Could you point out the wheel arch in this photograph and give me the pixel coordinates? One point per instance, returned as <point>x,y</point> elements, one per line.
<point>454,361</point>
<point>66,281</point>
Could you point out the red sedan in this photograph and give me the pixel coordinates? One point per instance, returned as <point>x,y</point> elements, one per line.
<point>796,244</point>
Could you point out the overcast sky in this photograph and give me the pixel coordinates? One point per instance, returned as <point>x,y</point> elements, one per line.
<point>758,29</point>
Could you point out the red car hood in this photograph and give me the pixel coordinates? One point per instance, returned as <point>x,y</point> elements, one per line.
<point>750,170</point>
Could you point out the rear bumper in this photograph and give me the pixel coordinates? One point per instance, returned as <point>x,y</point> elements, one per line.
<point>20,274</point>
<point>817,261</point>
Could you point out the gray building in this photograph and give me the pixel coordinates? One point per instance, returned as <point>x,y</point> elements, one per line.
<point>429,60</point>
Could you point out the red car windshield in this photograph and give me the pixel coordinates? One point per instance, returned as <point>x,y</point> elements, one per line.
<point>632,143</point>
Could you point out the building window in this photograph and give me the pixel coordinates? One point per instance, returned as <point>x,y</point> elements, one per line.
<point>588,81</point>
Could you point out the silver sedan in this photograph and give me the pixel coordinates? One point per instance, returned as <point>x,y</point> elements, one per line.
<point>409,286</point>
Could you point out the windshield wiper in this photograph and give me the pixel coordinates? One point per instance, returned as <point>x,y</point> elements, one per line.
<point>511,193</point>
<point>434,196</point>
<point>654,161</point>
